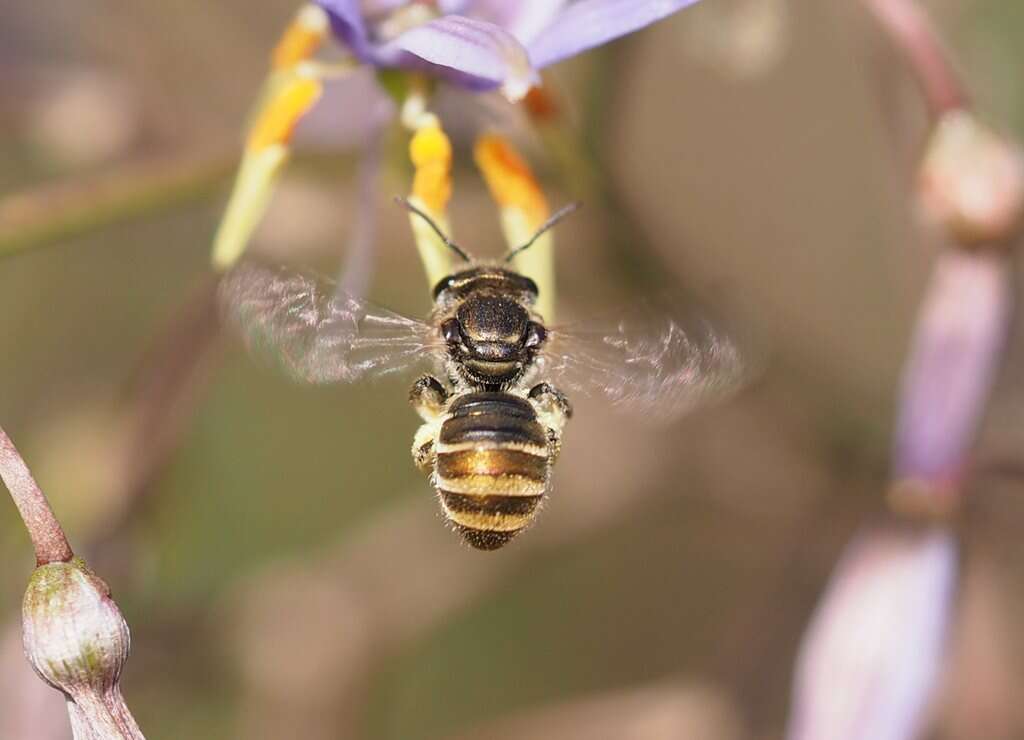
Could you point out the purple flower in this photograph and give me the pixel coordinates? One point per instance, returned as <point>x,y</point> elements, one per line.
<point>959,337</point>
<point>485,44</point>
<point>871,657</point>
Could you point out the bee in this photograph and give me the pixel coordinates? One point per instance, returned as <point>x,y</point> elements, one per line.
<point>494,401</point>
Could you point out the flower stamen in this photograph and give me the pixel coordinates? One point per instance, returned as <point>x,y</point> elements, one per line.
<point>524,209</point>
<point>430,151</point>
<point>282,112</point>
<point>303,37</point>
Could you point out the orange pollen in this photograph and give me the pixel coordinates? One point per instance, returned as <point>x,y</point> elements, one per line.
<point>278,119</point>
<point>431,155</point>
<point>509,178</point>
<point>541,104</point>
<point>300,41</point>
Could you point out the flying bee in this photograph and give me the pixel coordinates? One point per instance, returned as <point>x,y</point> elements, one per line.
<point>492,403</point>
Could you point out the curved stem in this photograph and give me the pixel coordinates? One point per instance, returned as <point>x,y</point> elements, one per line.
<point>43,528</point>
<point>102,716</point>
<point>65,209</point>
<point>910,29</point>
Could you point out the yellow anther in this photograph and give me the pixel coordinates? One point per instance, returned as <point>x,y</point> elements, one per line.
<point>510,180</point>
<point>303,37</point>
<point>280,114</point>
<point>523,210</point>
<point>249,199</point>
<point>431,155</point>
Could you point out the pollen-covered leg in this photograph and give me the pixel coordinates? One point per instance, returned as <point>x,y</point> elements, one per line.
<point>553,407</point>
<point>424,453</point>
<point>553,410</point>
<point>428,397</point>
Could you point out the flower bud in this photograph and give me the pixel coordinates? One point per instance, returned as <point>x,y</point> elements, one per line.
<point>74,634</point>
<point>960,335</point>
<point>871,657</point>
<point>972,180</point>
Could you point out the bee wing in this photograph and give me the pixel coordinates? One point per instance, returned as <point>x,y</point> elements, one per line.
<point>654,365</point>
<point>317,333</point>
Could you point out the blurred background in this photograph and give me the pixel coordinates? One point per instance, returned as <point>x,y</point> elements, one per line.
<point>285,570</point>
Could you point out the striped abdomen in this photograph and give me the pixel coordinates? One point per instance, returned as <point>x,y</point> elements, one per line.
<point>492,467</point>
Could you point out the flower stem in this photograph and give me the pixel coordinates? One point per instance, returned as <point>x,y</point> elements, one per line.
<point>43,528</point>
<point>169,381</point>
<point>65,209</point>
<point>913,33</point>
<point>102,717</point>
<point>53,212</point>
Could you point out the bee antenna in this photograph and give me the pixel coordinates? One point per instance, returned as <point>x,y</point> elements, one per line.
<point>546,226</point>
<point>407,204</point>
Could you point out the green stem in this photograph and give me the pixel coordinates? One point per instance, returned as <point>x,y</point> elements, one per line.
<point>63,210</point>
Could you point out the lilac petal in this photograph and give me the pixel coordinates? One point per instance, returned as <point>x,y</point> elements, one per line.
<point>589,23</point>
<point>525,20</point>
<point>347,23</point>
<point>957,342</point>
<point>453,7</point>
<point>871,656</point>
<point>336,124</point>
<point>472,52</point>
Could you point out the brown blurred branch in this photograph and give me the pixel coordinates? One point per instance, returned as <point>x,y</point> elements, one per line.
<point>649,712</point>
<point>65,209</point>
<point>68,208</point>
<point>912,32</point>
<point>48,539</point>
<point>169,382</point>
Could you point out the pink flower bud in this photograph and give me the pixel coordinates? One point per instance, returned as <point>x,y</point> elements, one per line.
<point>78,642</point>
<point>972,180</point>
<point>959,337</point>
<point>872,654</point>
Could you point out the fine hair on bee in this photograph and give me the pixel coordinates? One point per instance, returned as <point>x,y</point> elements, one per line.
<point>492,403</point>
<point>490,434</point>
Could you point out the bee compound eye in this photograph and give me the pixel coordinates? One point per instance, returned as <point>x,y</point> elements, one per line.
<point>535,335</point>
<point>450,331</point>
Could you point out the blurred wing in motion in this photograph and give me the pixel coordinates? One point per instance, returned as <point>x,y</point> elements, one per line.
<point>651,365</point>
<point>318,334</point>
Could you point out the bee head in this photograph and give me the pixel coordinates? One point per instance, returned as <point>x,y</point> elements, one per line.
<point>492,339</point>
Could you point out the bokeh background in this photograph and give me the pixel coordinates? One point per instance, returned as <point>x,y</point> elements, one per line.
<point>286,572</point>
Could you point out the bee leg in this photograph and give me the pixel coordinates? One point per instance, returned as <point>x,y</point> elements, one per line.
<point>428,397</point>
<point>548,400</point>
<point>423,453</point>
<point>553,410</point>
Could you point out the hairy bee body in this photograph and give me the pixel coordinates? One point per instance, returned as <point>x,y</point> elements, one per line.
<point>492,414</point>
<point>488,439</point>
<point>493,459</point>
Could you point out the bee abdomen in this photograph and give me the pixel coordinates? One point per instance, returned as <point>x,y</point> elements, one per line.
<point>492,467</point>
<point>488,522</point>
